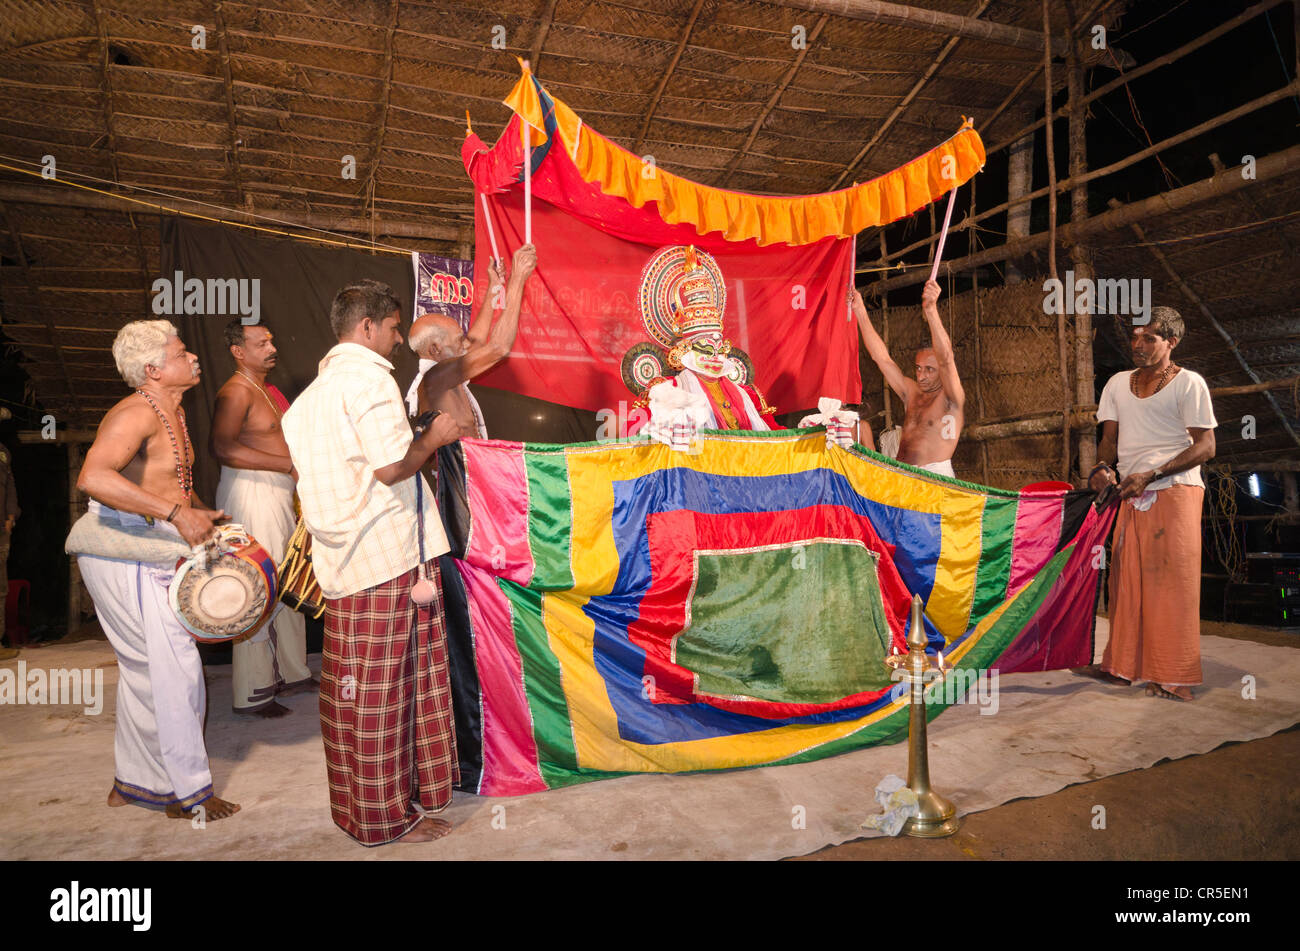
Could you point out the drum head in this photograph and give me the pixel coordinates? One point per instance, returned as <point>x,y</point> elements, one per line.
<point>226,600</point>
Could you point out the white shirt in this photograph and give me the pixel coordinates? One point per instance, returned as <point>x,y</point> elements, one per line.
<point>349,422</point>
<point>1153,431</point>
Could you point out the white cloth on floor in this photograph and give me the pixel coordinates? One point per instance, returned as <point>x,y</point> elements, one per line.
<point>158,744</point>
<point>276,655</point>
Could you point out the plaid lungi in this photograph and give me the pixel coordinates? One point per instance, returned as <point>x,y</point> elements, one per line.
<point>385,709</point>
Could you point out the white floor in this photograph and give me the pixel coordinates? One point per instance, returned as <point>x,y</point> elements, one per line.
<point>1051,730</point>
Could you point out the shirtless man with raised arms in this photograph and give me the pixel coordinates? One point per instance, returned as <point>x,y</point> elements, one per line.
<point>934,402</point>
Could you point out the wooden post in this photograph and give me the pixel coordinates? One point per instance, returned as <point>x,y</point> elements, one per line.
<point>1066,389</point>
<point>1080,254</point>
<point>75,510</point>
<point>979,358</point>
<point>884,324</point>
<point>1020,178</point>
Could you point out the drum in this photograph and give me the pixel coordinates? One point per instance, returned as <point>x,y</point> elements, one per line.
<point>298,586</point>
<point>226,592</point>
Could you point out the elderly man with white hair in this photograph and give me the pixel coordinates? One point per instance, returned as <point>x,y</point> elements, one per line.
<point>143,511</point>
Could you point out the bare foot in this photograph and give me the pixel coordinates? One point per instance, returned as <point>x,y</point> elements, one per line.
<point>1181,694</point>
<point>115,798</point>
<point>269,712</point>
<point>213,809</point>
<point>305,686</point>
<point>1096,672</point>
<point>427,831</point>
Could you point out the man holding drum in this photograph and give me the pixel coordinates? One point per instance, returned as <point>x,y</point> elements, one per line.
<point>385,700</point>
<point>138,474</point>
<point>256,489</point>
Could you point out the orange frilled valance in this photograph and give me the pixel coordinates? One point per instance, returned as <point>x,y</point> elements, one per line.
<point>740,216</point>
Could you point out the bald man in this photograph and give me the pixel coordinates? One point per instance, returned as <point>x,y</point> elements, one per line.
<point>935,402</point>
<point>450,357</point>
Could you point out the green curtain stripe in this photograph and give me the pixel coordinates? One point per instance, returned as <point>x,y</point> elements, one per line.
<point>998,532</point>
<point>550,521</point>
<point>552,730</point>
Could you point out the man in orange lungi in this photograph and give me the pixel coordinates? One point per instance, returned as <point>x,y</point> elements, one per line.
<point>1158,424</point>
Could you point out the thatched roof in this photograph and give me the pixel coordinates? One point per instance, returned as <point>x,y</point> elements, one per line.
<point>262,118</point>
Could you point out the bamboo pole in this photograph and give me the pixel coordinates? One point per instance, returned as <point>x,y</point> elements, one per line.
<point>1256,387</point>
<point>951,24</point>
<point>979,357</point>
<point>1210,124</point>
<point>668,73</point>
<point>1271,166</point>
<point>1033,426</point>
<point>1080,254</point>
<point>1051,244</point>
<point>884,323</point>
<point>79,198</point>
<point>1222,331</point>
<point>1033,74</point>
<point>1128,77</point>
<point>940,58</point>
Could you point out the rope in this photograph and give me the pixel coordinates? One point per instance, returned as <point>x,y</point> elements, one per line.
<point>387,249</point>
<point>1227,546</point>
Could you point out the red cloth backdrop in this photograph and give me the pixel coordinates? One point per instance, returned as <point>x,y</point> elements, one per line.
<point>786,306</point>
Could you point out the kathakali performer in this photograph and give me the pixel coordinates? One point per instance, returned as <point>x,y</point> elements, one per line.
<point>682,300</point>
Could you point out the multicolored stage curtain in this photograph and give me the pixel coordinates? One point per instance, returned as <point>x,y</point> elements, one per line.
<point>635,609</point>
<point>600,212</point>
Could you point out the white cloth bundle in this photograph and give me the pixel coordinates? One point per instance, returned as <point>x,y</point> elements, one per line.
<point>841,424</point>
<point>676,415</point>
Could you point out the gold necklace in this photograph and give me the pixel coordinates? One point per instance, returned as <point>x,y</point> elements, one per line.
<point>266,396</point>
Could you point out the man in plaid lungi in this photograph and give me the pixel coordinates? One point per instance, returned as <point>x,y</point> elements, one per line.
<point>385,701</point>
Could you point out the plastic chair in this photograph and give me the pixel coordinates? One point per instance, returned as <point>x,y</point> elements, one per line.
<point>17,611</point>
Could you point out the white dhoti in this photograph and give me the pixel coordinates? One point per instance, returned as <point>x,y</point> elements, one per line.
<point>158,743</point>
<point>276,656</point>
<point>940,468</point>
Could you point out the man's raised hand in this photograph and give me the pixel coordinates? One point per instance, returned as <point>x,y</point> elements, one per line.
<point>930,295</point>
<point>495,278</point>
<point>524,263</point>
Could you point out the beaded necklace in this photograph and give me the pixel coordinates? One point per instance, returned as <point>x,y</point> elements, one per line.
<point>1165,374</point>
<point>184,471</point>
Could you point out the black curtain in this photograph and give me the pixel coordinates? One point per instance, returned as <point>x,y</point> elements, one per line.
<point>298,283</point>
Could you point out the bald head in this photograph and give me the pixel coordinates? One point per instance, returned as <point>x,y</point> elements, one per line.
<point>437,337</point>
<point>927,370</point>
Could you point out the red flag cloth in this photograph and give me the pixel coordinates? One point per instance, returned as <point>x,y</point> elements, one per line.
<point>786,306</point>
